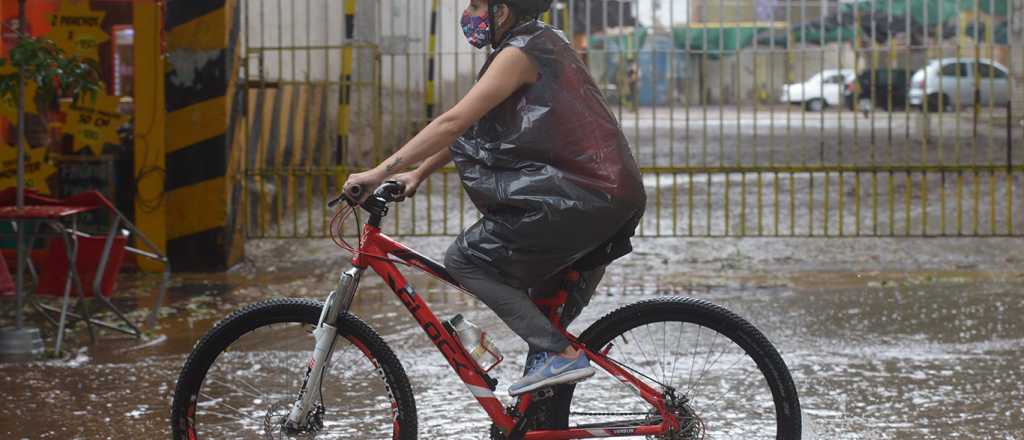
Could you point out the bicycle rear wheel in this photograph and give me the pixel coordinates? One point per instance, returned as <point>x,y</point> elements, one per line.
<point>728,379</point>
<point>242,377</point>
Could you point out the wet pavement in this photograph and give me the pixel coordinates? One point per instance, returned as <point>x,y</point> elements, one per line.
<point>893,339</point>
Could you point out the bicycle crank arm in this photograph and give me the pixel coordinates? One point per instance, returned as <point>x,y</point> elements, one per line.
<point>337,302</point>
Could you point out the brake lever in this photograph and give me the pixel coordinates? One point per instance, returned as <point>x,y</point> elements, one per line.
<point>335,201</point>
<point>356,191</point>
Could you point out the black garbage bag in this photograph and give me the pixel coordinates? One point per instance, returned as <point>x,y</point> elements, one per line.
<point>549,169</point>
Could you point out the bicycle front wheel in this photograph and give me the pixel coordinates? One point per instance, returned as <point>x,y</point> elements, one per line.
<point>726,379</point>
<point>243,376</point>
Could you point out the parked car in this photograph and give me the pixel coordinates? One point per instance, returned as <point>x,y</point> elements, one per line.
<point>883,89</point>
<point>950,83</point>
<point>824,89</point>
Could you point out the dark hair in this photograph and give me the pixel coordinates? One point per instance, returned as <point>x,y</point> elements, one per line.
<point>525,9</point>
<point>530,8</point>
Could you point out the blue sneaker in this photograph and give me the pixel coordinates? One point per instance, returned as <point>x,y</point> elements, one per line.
<point>551,369</point>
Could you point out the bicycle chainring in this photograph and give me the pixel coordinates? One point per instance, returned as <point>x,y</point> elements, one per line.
<point>537,419</point>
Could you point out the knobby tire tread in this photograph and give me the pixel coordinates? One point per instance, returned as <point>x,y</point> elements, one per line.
<point>748,337</point>
<point>251,317</point>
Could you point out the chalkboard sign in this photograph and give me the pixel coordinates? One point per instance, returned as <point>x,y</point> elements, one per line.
<point>77,174</point>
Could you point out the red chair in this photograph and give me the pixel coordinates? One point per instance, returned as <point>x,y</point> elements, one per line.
<point>53,274</point>
<point>97,259</point>
<point>6,283</point>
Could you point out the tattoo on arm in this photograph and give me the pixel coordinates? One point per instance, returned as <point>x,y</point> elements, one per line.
<point>394,165</point>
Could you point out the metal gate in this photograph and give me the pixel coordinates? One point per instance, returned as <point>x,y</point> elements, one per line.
<point>748,117</point>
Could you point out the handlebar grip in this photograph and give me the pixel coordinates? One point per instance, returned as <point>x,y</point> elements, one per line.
<point>350,195</point>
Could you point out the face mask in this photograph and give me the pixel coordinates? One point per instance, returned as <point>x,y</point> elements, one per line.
<point>477,30</point>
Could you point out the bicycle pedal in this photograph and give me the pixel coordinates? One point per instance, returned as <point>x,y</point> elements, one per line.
<point>543,393</point>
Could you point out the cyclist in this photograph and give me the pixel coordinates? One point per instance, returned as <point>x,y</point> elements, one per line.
<point>548,167</point>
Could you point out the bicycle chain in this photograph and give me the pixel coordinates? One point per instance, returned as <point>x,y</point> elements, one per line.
<point>610,413</point>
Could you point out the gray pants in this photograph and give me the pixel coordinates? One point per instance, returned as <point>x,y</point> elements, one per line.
<point>515,307</point>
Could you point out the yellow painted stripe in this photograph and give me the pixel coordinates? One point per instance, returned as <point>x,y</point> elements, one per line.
<point>430,92</point>
<point>208,32</point>
<point>343,120</point>
<point>346,61</point>
<point>196,208</point>
<point>196,123</point>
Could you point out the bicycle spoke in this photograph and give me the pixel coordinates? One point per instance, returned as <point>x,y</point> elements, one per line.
<point>722,390</point>
<point>244,415</point>
<point>689,377</point>
<point>675,359</point>
<point>704,369</point>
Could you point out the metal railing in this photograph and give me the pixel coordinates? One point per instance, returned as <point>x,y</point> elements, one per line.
<point>699,93</point>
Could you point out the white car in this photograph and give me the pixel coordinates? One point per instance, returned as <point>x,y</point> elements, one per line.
<point>952,82</point>
<point>824,89</point>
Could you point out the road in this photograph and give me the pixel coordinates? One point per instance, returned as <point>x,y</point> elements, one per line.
<point>886,339</point>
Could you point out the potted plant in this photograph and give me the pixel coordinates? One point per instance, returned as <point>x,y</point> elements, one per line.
<point>55,75</point>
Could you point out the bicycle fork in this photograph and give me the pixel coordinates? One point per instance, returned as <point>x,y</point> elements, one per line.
<point>339,301</point>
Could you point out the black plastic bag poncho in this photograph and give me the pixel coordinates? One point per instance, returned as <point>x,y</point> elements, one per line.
<point>549,169</point>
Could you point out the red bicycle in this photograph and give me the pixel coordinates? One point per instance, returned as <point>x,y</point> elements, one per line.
<point>677,368</point>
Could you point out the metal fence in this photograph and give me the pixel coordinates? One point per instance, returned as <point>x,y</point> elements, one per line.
<point>748,117</point>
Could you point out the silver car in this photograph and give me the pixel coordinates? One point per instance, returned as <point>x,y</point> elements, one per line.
<point>950,83</point>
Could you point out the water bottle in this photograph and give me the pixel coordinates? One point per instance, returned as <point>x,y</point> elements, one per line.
<point>476,342</point>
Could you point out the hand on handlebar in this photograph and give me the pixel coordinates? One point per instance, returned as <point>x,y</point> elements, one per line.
<point>410,179</point>
<point>359,186</point>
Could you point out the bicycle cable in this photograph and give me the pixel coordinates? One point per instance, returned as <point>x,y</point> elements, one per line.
<point>337,236</point>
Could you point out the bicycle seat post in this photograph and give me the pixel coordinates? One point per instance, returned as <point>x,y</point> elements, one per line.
<point>553,305</point>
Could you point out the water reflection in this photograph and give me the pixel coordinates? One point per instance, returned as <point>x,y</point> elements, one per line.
<point>931,355</point>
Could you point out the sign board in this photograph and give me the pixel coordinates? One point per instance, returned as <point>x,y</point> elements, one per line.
<point>37,168</point>
<point>94,122</point>
<point>78,30</point>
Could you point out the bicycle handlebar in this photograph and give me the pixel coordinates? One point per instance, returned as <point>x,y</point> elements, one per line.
<point>388,192</point>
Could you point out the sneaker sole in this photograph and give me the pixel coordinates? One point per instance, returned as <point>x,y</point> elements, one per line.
<point>569,377</point>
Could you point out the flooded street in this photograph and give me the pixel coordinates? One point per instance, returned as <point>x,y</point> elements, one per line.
<point>908,339</point>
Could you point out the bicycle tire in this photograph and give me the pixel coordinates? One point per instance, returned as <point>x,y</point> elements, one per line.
<point>298,311</point>
<point>705,314</point>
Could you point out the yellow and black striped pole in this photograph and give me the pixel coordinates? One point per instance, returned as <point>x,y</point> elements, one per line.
<point>428,94</point>
<point>345,104</point>
<point>201,41</point>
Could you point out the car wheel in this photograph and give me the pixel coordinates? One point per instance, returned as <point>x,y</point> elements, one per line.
<point>937,99</point>
<point>815,105</point>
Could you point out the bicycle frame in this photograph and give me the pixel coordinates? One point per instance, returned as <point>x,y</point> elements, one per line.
<point>376,251</point>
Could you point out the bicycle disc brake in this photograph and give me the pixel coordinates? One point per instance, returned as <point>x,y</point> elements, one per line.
<point>274,423</point>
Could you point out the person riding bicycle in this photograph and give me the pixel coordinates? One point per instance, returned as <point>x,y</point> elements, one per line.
<point>547,165</point>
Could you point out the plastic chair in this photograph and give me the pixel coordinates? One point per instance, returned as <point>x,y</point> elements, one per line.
<point>96,259</point>
<point>6,283</point>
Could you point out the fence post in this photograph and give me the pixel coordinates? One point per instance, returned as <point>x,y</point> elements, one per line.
<point>1016,44</point>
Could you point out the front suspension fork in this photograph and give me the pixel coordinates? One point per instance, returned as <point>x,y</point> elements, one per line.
<point>337,302</point>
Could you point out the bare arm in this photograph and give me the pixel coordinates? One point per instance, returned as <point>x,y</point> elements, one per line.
<point>434,163</point>
<point>412,179</point>
<point>510,70</point>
